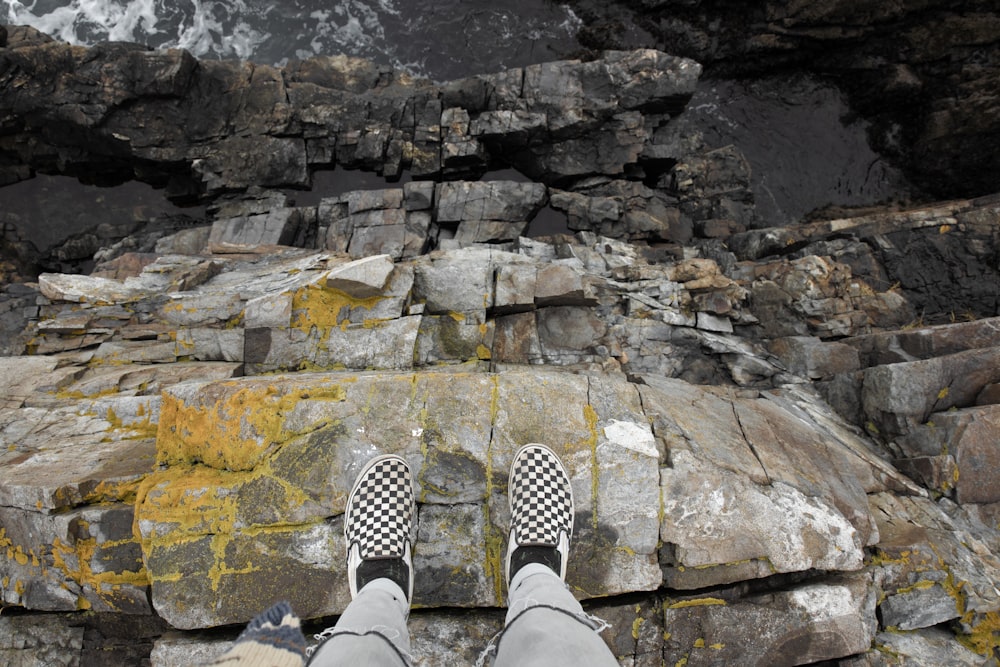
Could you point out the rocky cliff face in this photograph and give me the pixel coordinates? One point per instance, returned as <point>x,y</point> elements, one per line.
<point>775,460</point>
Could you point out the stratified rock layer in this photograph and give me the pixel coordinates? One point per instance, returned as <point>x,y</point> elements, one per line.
<point>773,462</point>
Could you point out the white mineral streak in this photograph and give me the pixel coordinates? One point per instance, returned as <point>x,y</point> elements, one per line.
<point>637,437</point>
<point>715,516</point>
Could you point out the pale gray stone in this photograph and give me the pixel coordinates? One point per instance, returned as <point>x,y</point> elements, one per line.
<point>971,436</point>
<point>184,650</point>
<point>810,357</point>
<point>925,604</point>
<point>713,517</point>
<point>108,440</point>
<point>246,233</point>
<point>711,322</point>
<point>500,201</point>
<point>85,289</point>
<point>931,646</point>
<point>22,376</point>
<point>270,310</point>
<point>458,281</point>
<point>370,200</point>
<point>208,344</point>
<point>189,310</point>
<point>897,397</point>
<point>362,278</point>
<point>830,618</point>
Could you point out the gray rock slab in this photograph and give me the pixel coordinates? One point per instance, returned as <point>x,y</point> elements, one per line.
<point>971,436</point>
<point>931,646</point>
<point>362,278</point>
<point>246,233</point>
<point>458,281</point>
<point>208,344</point>
<point>925,342</point>
<point>714,517</point>
<point>85,289</point>
<point>20,377</point>
<point>919,541</point>
<point>308,435</point>
<point>828,619</point>
<point>500,201</point>
<point>79,559</point>
<point>184,649</point>
<point>57,458</point>
<point>922,605</point>
<point>190,310</point>
<point>735,465</point>
<point>897,397</point>
<point>447,339</point>
<point>810,357</point>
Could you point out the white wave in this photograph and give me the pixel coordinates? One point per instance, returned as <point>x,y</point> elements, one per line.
<point>219,28</point>
<point>88,21</point>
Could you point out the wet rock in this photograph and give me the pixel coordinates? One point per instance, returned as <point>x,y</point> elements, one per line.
<point>229,126</point>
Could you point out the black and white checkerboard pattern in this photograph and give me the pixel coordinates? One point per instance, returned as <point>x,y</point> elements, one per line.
<point>541,498</point>
<point>380,509</point>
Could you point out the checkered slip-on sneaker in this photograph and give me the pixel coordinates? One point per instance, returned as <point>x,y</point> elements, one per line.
<point>541,511</point>
<point>378,525</point>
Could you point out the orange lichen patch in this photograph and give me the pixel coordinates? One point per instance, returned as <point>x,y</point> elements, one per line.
<point>325,307</point>
<point>237,426</point>
<point>143,428</point>
<point>188,504</point>
<point>107,491</point>
<point>75,560</point>
<point>186,500</point>
<point>699,602</point>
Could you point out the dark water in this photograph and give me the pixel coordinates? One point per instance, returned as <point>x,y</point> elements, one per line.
<point>438,39</point>
<point>804,148</point>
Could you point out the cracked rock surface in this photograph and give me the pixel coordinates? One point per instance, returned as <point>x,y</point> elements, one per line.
<point>774,459</point>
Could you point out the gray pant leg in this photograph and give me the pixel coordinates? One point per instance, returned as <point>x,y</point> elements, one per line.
<point>371,632</point>
<point>547,627</point>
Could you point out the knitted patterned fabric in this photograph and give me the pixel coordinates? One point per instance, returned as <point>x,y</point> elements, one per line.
<point>272,639</point>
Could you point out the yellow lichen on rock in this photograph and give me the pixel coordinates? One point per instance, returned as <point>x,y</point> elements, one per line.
<point>75,560</point>
<point>323,307</point>
<point>237,426</point>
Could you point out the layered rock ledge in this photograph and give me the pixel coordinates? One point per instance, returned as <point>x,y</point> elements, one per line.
<point>774,460</point>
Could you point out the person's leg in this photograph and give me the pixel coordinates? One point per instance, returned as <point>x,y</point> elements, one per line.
<point>546,626</point>
<point>371,631</point>
<point>378,527</point>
